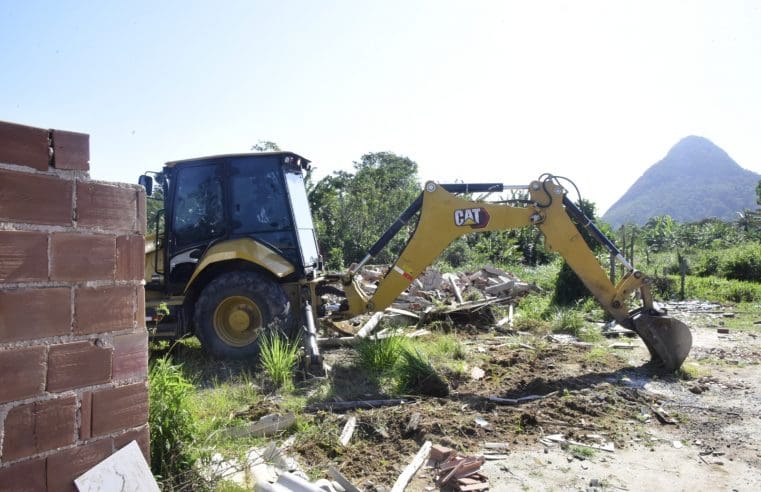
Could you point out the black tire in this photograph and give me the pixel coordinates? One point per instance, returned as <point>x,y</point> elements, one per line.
<point>235,309</point>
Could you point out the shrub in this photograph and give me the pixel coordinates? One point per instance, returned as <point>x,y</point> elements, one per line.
<point>278,357</point>
<point>742,263</point>
<point>719,289</point>
<point>569,288</point>
<point>172,425</point>
<point>707,264</point>
<point>533,306</point>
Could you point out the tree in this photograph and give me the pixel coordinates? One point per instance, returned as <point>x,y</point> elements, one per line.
<point>352,210</point>
<point>758,192</point>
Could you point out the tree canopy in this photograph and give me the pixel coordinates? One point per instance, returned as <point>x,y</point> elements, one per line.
<point>352,210</point>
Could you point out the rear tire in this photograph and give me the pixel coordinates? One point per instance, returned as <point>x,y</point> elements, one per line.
<point>236,309</point>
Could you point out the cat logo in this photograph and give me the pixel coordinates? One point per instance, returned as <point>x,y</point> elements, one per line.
<point>476,218</point>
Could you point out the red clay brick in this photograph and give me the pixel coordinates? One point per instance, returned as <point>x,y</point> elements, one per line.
<point>105,206</point>
<point>99,309</point>
<point>23,256</point>
<point>78,364</point>
<point>130,258</point>
<point>40,426</point>
<point>119,408</point>
<point>130,356</point>
<point>27,476</point>
<point>65,466</point>
<point>81,257</point>
<point>35,199</point>
<point>24,145</point>
<point>141,212</point>
<point>85,416</point>
<point>71,150</point>
<point>141,435</point>
<point>23,373</point>
<point>29,314</point>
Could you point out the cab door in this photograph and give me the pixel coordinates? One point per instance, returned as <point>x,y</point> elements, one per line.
<point>197,218</point>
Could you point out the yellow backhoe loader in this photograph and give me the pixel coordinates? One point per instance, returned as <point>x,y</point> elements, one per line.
<point>237,255</point>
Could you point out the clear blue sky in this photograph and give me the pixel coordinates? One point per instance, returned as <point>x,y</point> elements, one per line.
<point>477,91</point>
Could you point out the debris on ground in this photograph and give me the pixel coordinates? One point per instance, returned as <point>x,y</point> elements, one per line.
<point>267,425</point>
<point>412,468</point>
<point>458,472</point>
<point>458,297</point>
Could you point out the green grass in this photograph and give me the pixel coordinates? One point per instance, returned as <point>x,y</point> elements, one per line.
<point>533,306</point>
<point>446,347</point>
<point>690,371</point>
<point>565,320</point>
<point>172,425</point>
<point>597,354</point>
<point>380,356</point>
<point>214,407</point>
<point>711,288</point>
<point>416,375</point>
<point>581,451</point>
<point>278,359</point>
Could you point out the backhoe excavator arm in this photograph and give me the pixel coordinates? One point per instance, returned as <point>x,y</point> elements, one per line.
<point>445,216</point>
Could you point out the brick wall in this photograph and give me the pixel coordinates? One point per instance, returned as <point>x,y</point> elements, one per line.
<point>73,343</point>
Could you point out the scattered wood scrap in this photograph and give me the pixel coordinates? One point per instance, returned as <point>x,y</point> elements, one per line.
<point>412,468</point>
<point>518,401</point>
<point>348,431</point>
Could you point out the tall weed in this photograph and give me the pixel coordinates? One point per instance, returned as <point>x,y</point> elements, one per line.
<point>172,425</point>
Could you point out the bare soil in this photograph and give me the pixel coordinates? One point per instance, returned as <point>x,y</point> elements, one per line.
<point>595,397</point>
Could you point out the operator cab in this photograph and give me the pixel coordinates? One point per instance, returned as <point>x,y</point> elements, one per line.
<point>209,200</point>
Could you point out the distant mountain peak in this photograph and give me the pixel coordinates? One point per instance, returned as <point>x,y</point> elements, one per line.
<point>695,151</point>
<point>695,180</point>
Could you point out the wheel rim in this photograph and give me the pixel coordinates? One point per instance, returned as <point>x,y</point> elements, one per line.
<point>237,321</point>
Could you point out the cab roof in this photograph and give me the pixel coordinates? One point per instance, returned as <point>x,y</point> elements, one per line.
<point>304,162</point>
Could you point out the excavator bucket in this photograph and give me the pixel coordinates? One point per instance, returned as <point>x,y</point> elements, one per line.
<point>668,339</point>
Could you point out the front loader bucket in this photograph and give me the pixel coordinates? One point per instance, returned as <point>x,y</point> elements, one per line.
<point>668,339</point>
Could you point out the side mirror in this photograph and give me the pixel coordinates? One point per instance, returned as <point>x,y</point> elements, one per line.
<point>147,183</point>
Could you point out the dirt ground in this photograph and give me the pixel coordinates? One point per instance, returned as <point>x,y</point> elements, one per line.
<point>596,397</point>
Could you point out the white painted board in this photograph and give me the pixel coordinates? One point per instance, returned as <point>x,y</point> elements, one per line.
<point>123,471</point>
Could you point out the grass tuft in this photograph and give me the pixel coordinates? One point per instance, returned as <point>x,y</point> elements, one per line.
<point>581,451</point>
<point>689,372</point>
<point>278,357</point>
<point>566,320</point>
<point>380,356</point>
<point>416,375</point>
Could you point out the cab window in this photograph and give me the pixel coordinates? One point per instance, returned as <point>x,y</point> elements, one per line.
<point>198,212</point>
<point>259,202</point>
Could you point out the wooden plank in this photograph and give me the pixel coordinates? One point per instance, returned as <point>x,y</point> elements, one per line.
<point>412,468</point>
<point>348,431</point>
